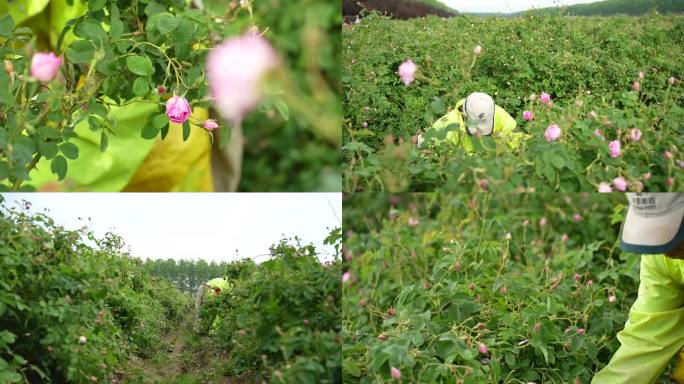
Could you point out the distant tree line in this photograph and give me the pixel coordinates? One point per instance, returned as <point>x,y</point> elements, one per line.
<point>187,275</point>
<point>627,7</point>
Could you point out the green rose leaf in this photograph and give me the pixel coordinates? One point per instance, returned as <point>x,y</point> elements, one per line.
<point>80,51</point>
<point>104,141</point>
<point>160,121</point>
<point>47,150</point>
<point>140,86</point>
<point>186,130</point>
<point>90,29</point>
<point>116,28</point>
<point>6,25</point>
<point>70,150</point>
<point>164,22</point>
<point>59,166</point>
<point>149,131</point>
<point>96,5</point>
<point>140,65</point>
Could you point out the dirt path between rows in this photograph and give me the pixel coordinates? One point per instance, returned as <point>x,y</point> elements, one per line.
<point>184,358</point>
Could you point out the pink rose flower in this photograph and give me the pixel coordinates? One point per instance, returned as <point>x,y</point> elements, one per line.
<point>44,66</point>
<point>396,374</point>
<point>210,125</point>
<point>635,134</point>
<point>552,133</point>
<point>620,183</point>
<point>599,134</point>
<point>545,98</point>
<point>636,86</point>
<point>412,221</point>
<point>576,217</point>
<point>612,298</point>
<point>483,348</point>
<point>614,147</point>
<point>604,188</point>
<point>477,50</point>
<point>542,221</point>
<point>667,154</point>
<point>177,109</point>
<point>407,71</point>
<point>641,75</point>
<point>527,115</point>
<point>345,277</point>
<point>592,114</point>
<point>580,331</point>
<point>235,69</point>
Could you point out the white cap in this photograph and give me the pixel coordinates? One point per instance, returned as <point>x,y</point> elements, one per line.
<point>653,223</point>
<point>480,106</point>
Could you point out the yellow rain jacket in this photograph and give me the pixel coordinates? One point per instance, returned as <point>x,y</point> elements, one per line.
<point>504,125</point>
<point>130,163</point>
<point>654,332</point>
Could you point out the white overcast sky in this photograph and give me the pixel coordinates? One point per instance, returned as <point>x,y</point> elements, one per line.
<point>507,6</point>
<point>209,226</point>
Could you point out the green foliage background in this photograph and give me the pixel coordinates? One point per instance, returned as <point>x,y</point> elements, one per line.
<point>417,294</point>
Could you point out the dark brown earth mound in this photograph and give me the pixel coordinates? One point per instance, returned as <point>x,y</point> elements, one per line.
<point>398,9</point>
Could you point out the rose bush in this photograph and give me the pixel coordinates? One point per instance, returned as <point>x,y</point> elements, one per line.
<point>544,70</point>
<point>151,52</point>
<point>485,288</point>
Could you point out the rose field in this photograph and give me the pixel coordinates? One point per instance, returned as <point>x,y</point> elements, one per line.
<point>597,100</point>
<point>484,288</point>
<point>79,308</point>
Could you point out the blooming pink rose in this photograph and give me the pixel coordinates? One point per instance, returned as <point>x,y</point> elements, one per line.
<point>635,134</point>
<point>44,66</point>
<point>407,71</point>
<point>483,348</point>
<point>604,187</point>
<point>647,175</point>
<point>564,238</point>
<point>614,147</point>
<point>641,75</point>
<point>477,50</point>
<point>210,125</point>
<point>364,124</point>
<point>599,134</point>
<point>484,183</point>
<point>576,217</point>
<point>545,98</point>
<point>412,221</point>
<point>345,277</point>
<point>620,183</point>
<point>178,109</point>
<point>542,221</point>
<point>396,374</point>
<point>612,298</point>
<point>669,181</point>
<point>235,69</point>
<point>527,115</point>
<point>592,114</point>
<point>552,133</point>
<point>82,340</point>
<point>580,331</point>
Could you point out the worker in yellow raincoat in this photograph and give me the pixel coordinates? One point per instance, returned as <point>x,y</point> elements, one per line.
<point>488,119</point>
<point>130,163</point>
<point>654,332</point>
